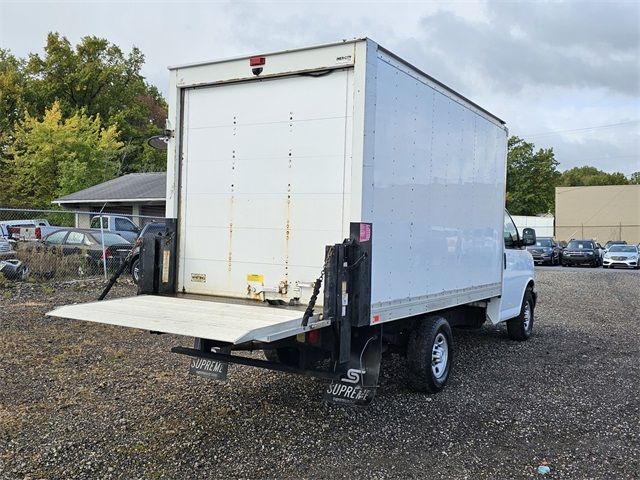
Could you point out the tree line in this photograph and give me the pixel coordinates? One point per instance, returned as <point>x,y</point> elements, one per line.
<point>77,116</point>
<point>73,117</point>
<point>532,177</point>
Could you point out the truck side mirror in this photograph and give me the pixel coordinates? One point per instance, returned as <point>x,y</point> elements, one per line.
<point>528,237</point>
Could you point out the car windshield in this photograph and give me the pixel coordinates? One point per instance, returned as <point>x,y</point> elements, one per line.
<point>543,242</point>
<point>109,239</point>
<point>624,248</point>
<point>580,245</point>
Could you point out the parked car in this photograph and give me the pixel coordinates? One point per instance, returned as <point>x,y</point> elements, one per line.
<point>149,229</point>
<point>622,255</point>
<point>122,226</point>
<point>608,245</point>
<point>75,241</point>
<point>546,251</point>
<point>581,252</point>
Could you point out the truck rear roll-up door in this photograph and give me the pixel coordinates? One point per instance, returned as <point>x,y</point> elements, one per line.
<point>225,322</point>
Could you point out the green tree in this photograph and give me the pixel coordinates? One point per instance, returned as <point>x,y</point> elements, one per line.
<point>531,178</point>
<point>12,89</point>
<point>53,157</point>
<point>97,77</point>
<point>590,176</point>
<point>634,178</point>
<point>12,86</point>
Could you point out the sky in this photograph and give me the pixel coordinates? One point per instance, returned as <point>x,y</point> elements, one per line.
<point>562,74</point>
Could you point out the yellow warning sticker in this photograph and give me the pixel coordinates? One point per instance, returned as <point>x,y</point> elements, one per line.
<point>255,277</point>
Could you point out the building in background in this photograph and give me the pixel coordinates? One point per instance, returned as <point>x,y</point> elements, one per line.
<point>135,194</point>
<point>542,224</point>
<point>603,213</point>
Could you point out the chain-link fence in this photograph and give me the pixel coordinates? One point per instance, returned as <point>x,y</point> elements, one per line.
<point>60,245</point>
<point>600,233</point>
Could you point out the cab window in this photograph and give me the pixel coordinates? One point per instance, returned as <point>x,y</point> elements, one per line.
<point>510,232</point>
<point>95,222</point>
<point>125,225</point>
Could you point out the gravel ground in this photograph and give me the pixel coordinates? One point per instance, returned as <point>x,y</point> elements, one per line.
<point>81,400</point>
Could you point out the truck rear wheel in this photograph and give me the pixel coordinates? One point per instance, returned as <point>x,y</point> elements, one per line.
<point>429,355</point>
<point>285,355</point>
<point>520,327</point>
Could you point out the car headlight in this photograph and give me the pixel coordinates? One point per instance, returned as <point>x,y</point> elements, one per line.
<point>589,253</point>
<point>635,257</point>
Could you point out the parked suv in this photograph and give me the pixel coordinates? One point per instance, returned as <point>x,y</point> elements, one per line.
<point>546,251</point>
<point>610,243</point>
<point>581,252</point>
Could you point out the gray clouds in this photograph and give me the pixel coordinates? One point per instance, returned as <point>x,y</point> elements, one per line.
<point>543,43</point>
<point>541,65</point>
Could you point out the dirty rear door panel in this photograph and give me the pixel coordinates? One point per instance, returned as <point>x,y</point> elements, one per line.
<point>265,180</point>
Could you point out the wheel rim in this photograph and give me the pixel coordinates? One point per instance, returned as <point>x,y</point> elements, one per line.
<point>527,316</point>
<point>439,356</point>
<point>136,271</point>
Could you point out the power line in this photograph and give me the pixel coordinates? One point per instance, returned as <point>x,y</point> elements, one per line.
<point>584,129</point>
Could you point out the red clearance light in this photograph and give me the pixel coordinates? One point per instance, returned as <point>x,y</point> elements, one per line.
<point>257,61</point>
<point>313,337</point>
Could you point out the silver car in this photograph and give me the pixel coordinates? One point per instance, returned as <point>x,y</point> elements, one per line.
<point>621,256</point>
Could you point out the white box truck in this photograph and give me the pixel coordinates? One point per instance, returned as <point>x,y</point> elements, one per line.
<point>325,205</point>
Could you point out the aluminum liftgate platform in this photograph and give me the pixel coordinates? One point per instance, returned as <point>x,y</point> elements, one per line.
<point>225,322</point>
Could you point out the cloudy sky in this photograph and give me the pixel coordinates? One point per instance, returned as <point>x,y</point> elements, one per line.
<point>562,74</point>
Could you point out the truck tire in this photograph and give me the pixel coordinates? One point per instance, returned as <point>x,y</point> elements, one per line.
<point>520,327</point>
<point>429,355</point>
<point>135,270</point>
<point>285,355</point>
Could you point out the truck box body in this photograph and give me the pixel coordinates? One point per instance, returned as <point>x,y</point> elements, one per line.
<point>274,160</point>
<point>266,170</point>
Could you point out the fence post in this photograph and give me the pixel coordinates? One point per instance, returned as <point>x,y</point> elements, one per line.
<point>104,250</point>
<point>582,227</point>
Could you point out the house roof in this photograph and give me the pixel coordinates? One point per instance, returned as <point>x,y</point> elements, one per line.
<point>134,187</point>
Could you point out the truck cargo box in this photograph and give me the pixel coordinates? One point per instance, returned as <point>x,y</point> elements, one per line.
<point>266,167</point>
<point>274,157</point>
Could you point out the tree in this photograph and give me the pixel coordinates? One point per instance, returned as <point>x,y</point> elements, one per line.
<point>53,157</point>
<point>634,178</point>
<point>531,178</point>
<point>12,87</point>
<point>97,77</point>
<point>590,176</point>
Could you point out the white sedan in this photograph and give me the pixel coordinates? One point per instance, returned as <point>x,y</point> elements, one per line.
<point>621,256</point>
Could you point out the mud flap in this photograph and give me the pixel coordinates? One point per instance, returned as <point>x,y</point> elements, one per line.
<point>205,367</point>
<point>359,380</point>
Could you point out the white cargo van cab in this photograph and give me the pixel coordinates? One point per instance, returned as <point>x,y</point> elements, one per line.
<point>325,205</point>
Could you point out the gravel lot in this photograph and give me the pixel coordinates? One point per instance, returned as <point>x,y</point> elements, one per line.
<point>81,400</point>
